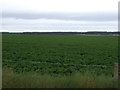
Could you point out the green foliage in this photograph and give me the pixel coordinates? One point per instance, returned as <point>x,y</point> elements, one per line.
<point>60,54</point>
<point>35,80</point>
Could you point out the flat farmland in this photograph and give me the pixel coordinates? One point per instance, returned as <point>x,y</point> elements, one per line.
<point>59,54</point>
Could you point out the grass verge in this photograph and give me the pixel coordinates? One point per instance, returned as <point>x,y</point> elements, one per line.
<point>35,80</point>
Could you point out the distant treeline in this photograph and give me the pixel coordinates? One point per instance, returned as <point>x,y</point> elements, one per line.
<point>65,33</point>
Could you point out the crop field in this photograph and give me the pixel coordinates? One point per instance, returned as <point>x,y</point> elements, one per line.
<point>58,61</point>
<point>60,54</point>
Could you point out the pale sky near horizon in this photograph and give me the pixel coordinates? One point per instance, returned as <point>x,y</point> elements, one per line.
<point>59,15</point>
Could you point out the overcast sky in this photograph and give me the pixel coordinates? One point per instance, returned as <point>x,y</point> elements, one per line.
<point>59,15</point>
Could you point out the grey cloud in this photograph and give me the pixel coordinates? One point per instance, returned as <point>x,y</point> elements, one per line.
<point>95,16</point>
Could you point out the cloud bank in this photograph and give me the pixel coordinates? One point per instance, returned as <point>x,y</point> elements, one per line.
<point>93,16</point>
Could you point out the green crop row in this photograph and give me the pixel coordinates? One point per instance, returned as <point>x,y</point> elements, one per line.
<point>60,54</point>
